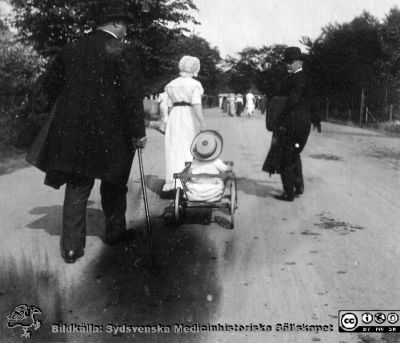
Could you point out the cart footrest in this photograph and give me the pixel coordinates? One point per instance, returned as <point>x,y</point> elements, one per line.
<point>206,204</point>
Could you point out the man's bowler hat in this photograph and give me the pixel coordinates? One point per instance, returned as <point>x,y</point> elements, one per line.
<point>291,54</point>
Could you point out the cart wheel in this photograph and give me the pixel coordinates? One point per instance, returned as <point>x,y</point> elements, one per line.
<point>233,203</point>
<point>178,208</point>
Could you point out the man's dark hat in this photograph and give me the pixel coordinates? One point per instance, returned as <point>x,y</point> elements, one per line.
<point>291,54</point>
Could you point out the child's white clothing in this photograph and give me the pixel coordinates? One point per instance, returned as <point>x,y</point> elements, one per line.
<point>206,189</point>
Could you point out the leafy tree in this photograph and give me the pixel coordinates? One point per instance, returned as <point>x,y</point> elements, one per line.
<point>209,57</point>
<point>256,68</point>
<point>240,75</point>
<point>345,59</point>
<point>19,67</point>
<point>50,24</point>
<point>192,45</point>
<point>274,70</point>
<point>391,64</point>
<point>156,34</point>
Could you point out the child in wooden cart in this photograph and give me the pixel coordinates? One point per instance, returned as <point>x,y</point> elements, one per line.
<point>206,149</point>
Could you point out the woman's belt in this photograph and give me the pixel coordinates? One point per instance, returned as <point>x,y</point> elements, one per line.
<point>181,103</point>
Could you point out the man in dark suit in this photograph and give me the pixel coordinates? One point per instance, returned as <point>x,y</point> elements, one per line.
<point>98,124</point>
<point>294,125</point>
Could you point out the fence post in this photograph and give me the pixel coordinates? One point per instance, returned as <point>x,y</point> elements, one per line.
<point>391,113</point>
<point>361,106</point>
<point>327,109</point>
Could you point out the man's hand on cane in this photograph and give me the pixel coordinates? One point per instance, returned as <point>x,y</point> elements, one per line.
<point>139,143</point>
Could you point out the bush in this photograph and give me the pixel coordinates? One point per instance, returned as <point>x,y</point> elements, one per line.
<point>20,65</point>
<point>393,127</point>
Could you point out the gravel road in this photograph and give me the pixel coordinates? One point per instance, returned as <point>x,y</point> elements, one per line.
<point>334,248</point>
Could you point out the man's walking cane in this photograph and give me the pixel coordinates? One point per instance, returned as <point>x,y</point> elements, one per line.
<point>154,262</point>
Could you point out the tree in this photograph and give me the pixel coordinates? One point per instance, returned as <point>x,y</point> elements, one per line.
<point>19,67</point>
<point>50,24</point>
<point>209,57</point>
<point>391,65</point>
<point>345,59</point>
<point>259,69</point>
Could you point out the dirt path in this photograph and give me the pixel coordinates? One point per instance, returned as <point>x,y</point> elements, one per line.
<point>335,248</point>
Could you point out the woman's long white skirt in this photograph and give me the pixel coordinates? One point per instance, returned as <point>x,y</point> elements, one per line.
<point>182,127</point>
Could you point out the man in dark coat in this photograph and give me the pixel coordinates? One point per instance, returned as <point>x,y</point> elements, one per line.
<point>293,127</point>
<point>97,125</point>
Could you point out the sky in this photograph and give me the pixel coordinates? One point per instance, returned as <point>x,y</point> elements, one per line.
<point>4,8</point>
<point>232,25</point>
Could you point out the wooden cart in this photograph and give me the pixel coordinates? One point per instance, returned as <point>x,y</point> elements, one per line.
<point>228,200</point>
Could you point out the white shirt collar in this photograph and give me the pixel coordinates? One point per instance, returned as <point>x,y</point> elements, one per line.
<point>111,33</point>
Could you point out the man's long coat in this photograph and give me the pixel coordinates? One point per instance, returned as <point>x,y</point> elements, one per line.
<point>293,125</point>
<point>97,112</point>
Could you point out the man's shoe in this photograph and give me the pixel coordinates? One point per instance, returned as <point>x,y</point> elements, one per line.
<point>70,256</point>
<point>284,197</point>
<point>299,190</point>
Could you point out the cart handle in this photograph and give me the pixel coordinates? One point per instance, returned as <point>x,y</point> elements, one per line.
<point>204,175</point>
<point>229,163</point>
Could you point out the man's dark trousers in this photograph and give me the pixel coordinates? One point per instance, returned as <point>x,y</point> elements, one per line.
<point>77,192</point>
<point>292,176</point>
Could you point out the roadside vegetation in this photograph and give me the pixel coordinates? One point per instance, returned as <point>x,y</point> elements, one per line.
<point>354,67</point>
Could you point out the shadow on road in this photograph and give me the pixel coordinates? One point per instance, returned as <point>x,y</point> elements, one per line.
<point>199,216</point>
<point>119,286</point>
<point>154,183</point>
<point>123,288</point>
<point>358,134</point>
<point>258,188</point>
<point>51,220</point>
<point>25,282</point>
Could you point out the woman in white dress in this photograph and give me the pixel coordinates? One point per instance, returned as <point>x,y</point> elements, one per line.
<point>250,105</point>
<point>185,119</point>
<point>231,104</point>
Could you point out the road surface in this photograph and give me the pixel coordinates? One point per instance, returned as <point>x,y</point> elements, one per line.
<point>335,248</point>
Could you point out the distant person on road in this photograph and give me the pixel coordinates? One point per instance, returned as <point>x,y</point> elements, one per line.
<point>210,101</point>
<point>292,127</point>
<point>263,104</point>
<point>98,124</point>
<point>185,120</point>
<point>220,100</point>
<point>225,104</point>
<point>257,104</point>
<point>250,104</point>
<point>231,104</point>
<point>239,104</point>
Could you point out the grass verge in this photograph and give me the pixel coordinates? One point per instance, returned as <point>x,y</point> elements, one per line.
<point>11,159</point>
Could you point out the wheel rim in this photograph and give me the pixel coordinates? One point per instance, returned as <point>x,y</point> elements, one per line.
<point>233,204</point>
<point>177,206</point>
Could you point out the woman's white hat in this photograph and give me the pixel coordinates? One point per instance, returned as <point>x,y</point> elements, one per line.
<point>189,66</point>
<point>207,145</point>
